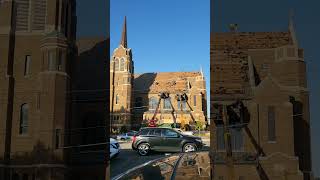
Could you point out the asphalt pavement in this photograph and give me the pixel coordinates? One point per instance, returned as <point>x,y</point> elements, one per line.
<point>128,158</point>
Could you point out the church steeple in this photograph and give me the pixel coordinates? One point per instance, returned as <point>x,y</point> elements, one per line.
<point>124,34</point>
<point>291,27</point>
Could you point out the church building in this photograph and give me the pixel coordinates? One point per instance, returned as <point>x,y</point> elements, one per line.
<point>167,97</point>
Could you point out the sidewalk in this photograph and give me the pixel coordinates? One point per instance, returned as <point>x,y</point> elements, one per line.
<point>206,141</point>
<point>125,144</point>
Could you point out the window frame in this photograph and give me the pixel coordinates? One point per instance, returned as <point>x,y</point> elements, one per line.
<point>116,64</point>
<point>117,99</point>
<point>184,105</point>
<point>166,102</point>
<point>271,119</point>
<point>153,101</point>
<point>237,139</point>
<point>24,119</point>
<point>122,64</point>
<point>27,65</point>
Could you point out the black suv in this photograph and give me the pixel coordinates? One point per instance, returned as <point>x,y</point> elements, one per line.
<point>164,140</point>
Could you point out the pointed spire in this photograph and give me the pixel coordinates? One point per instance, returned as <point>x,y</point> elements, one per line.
<point>124,34</point>
<point>291,27</point>
<point>291,15</point>
<point>201,71</point>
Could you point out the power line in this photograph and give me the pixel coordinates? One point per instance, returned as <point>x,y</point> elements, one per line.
<point>85,145</point>
<point>65,131</point>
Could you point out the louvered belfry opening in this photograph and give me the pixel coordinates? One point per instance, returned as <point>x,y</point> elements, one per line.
<point>22,15</point>
<point>38,14</point>
<point>30,15</point>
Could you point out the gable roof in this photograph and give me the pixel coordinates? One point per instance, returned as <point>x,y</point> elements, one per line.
<point>250,40</point>
<point>163,81</point>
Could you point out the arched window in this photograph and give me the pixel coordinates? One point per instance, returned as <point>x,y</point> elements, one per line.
<point>117,99</point>
<point>167,104</point>
<point>153,103</point>
<point>27,63</point>
<point>183,104</point>
<point>24,119</point>
<point>236,139</point>
<point>116,64</point>
<point>271,123</point>
<point>122,64</point>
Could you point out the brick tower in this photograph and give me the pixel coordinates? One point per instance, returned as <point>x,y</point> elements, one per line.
<point>121,82</point>
<point>36,45</point>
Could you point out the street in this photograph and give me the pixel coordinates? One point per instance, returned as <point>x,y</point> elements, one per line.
<point>129,158</point>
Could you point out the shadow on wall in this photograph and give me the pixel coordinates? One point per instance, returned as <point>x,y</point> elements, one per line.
<point>141,86</point>
<point>89,102</point>
<point>301,136</point>
<point>91,71</point>
<point>40,154</point>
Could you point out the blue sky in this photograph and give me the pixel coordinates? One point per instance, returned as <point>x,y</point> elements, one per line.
<point>166,35</point>
<point>272,15</point>
<point>93,18</point>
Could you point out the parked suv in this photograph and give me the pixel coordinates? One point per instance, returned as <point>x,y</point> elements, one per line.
<point>164,140</point>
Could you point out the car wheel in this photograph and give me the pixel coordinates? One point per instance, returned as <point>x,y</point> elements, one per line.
<point>189,147</point>
<point>143,149</point>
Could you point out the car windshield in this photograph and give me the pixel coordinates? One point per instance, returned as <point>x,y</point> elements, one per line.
<point>179,166</point>
<point>158,170</point>
<point>194,166</point>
